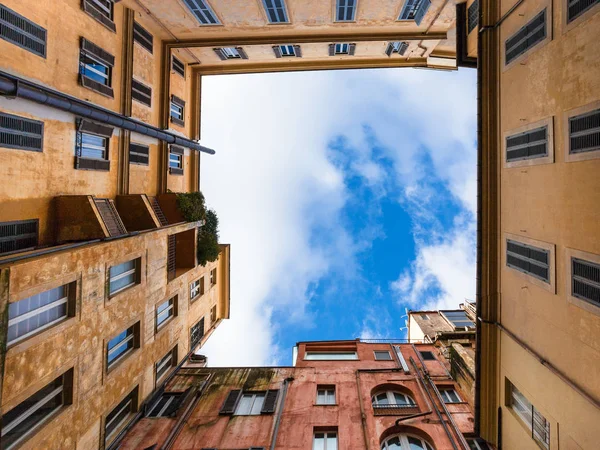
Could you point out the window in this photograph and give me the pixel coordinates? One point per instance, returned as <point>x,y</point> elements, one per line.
<point>473,16</point>
<point>141,93</point>
<point>576,8</point>
<point>175,160</point>
<point>20,133</point>
<point>396,47</point>
<point>177,110</point>
<point>197,288</point>
<point>275,11</point>
<point>283,51</point>
<point>325,440</point>
<point>531,260</point>
<point>21,31</point>
<point>166,405</point>
<point>213,277</point>
<point>405,441</point>
<point>527,145</point>
<point>526,38</point>
<point>119,416</point>
<point>427,356</point>
<point>178,67</point>
<point>458,319</point>
<point>585,280</point>
<point>382,355</point>
<point>101,10</point>
<point>95,68</point>
<point>449,395</point>
<point>92,142</point>
<point>24,420</point>
<point>414,10</point>
<point>203,12</point>
<point>249,403</point>
<point>213,314</point>
<point>123,276</point>
<point>531,417</point>
<point>139,154</point>
<point>584,132</point>
<point>325,395</point>
<point>171,257</point>
<point>342,49</point>
<point>345,10</point>
<point>92,146</point>
<point>392,399</point>
<point>38,312</point>
<point>18,235</point>
<point>165,311</point>
<point>424,317</point>
<point>143,37</point>
<point>164,364</point>
<point>477,444</point>
<point>196,334</point>
<point>122,344</point>
<point>226,53</point>
<point>325,356</point>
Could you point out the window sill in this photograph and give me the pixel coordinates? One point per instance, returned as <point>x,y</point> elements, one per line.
<point>41,336</point>
<point>328,404</point>
<point>115,294</point>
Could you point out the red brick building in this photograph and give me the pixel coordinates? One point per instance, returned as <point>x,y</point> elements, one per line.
<point>338,395</point>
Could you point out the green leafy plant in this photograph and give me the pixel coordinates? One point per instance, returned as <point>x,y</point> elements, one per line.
<point>208,239</point>
<point>191,205</point>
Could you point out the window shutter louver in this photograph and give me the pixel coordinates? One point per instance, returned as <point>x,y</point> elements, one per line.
<point>178,67</point>
<point>531,260</point>
<point>171,257</point>
<point>21,133</point>
<point>526,38</point>
<point>139,154</point>
<point>92,164</point>
<point>351,49</point>
<point>143,37</point>
<point>97,52</point>
<point>584,132</point>
<point>231,402</point>
<point>389,49</point>
<point>20,31</point>
<point>97,13</point>
<point>420,14</point>
<point>331,49</point>
<point>298,51</point>
<point>270,403</point>
<point>585,280</point>
<point>87,126</point>
<point>242,53</point>
<point>407,8</point>
<point>18,235</point>
<point>576,8</point>
<point>473,16</point>
<point>220,54</point>
<point>528,145</point>
<point>402,49</point>
<point>141,93</point>
<point>277,51</point>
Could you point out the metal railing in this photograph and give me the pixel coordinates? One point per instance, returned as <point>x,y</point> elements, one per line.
<point>395,410</point>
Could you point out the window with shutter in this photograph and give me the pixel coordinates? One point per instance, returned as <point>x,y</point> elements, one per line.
<point>345,10</point>
<point>171,257</point>
<point>21,31</point>
<point>584,132</point>
<point>270,402</point>
<point>414,10</point>
<point>196,334</point>
<point>178,67</point>
<point>95,68</point>
<point>286,50</point>
<point>585,280</point>
<point>143,37</point>
<point>202,11</point>
<point>231,402</point>
<point>101,10</point>
<point>276,11</point>
<point>141,92</point>
<point>139,154</point>
<point>175,160</point>
<point>18,235</point>
<point>531,260</point>
<point>528,413</point>
<point>527,145</point>
<point>177,110</point>
<point>576,8</point>
<point>166,405</point>
<point>473,16</point>
<point>526,38</point>
<point>396,47</point>
<point>343,49</point>
<point>20,133</point>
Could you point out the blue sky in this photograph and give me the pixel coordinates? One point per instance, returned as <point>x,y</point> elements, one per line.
<point>346,196</point>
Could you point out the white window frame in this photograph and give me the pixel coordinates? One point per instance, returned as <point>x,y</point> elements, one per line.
<point>254,406</point>
<point>326,435</point>
<point>166,361</point>
<point>274,8</point>
<point>444,392</point>
<point>202,7</point>
<point>345,8</point>
<point>231,52</point>
<point>342,49</point>
<point>390,395</point>
<point>197,288</point>
<point>331,356</point>
<point>326,395</point>
<point>177,111</point>
<point>169,311</point>
<point>285,50</point>
<point>133,272</point>
<point>404,442</point>
<point>107,11</point>
<point>377,358</point>
<point>86,66</point>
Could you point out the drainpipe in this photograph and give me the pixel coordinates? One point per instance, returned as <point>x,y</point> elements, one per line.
<point>413,416</point>
<point>363,416</point>
<point>280,411</point>
<point>461,438</point>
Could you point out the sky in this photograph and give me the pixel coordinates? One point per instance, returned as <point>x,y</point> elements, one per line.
<point>347,196</point>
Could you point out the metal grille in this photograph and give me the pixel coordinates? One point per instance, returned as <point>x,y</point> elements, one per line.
<point>158,211</point>
<point>346,9</point>
<point>575,8</point>
<point>110,217</point>
<point>531,260</point>
<point>586,280</point>
<point>142,37</point>
<point>178,67</point>
<point>22,32</point>
<point>139,154</point>
<point>473,15</point>
<point>141,92</point>
<point>584,132</point>
<point>276,10</point>
<point>18,235</point>
<point>203,12</point>
<point>527,37</point>
<point>171,257</point>
<point>196,334</point>
<point>528,145</point>
<point>18,132</point>
<point>395,410</point>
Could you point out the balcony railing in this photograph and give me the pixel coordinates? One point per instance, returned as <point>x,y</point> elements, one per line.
<point>395,410</point>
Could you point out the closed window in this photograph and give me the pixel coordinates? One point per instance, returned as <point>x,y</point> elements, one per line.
<point>414,10</point>
<point>345,10</point>
<point>176,160</point>
<point>21,422</point>
<point>121,414</point>
<point>325,395</point>
<point>427,356</point>
<point>276,11</point>
<point>282,51</point>
<point>477,444</point>
<point>203,12</point>
<point>424,317</point>
<point>122,344</point>
<point>576,8</point>
<point>21,31</point>
<point>143,37</point>
<point>101,10</point>
<point>196,334</point>
<point>382,355</point>
<point>584,132</point>
<point>391,399</point>
<point>92,143</point>
<point>18,235</point>
<point>250,404</point>
<point>525,38</point>
<point>325,356</point>
<point>166,405</point>
<point>21,133</point>
<point>405,442</point>
<point>177,110</point>
<point>585,280</point>
<point>95,68</point>
<point>166,311</point>
<point>449,395</point>
<point>342,49</point>
<point>197,288</point>
<point>327,440</point>
<point>93,146</point>
<point>139,154</point>
<point>225,53</point>
<point>164,364</point>
<point>527,145</point>
<point>396,47</point>
<point>123,276</point>
<point>213,277</point>
<point>531,260</point>
<point>531,417</point>
<point>38,312</point>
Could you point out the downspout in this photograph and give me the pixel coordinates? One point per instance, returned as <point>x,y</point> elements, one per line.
<point>412,416</point>
<point>363,416</point>
<point>280,411</point>
<point>461,438</point>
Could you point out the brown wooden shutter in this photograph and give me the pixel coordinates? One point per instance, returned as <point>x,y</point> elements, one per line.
<point>242,53</point>
<point>277,51</point>
<point>351,49</point>
<point>220,54</point>
<point>89,7</point>
<point>91,164</point>
<point>298,51</point>
<point>99,53</point>
<point>171,257</point>
<point>88,126</point>
<point>389,49</point>
<point>331,49</point>
<point>231,402</point>
<point>270,403</point>
<point>18,235</point>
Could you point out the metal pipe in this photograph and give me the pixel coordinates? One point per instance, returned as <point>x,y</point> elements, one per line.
<point>461,438</point>
<point>497,24</point>
<point>47,251</point>
<point>280,411</point>
<point>363,416</point>
<point>13,86</point>
<point>413,416</point>
<point>420,359</point>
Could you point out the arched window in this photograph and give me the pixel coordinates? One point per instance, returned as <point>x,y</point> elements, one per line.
<point>405,442</point>
<point>392,398</point>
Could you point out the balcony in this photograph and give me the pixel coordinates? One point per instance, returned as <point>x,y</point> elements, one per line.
<point>395,410</point>
<point>140,212</point>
